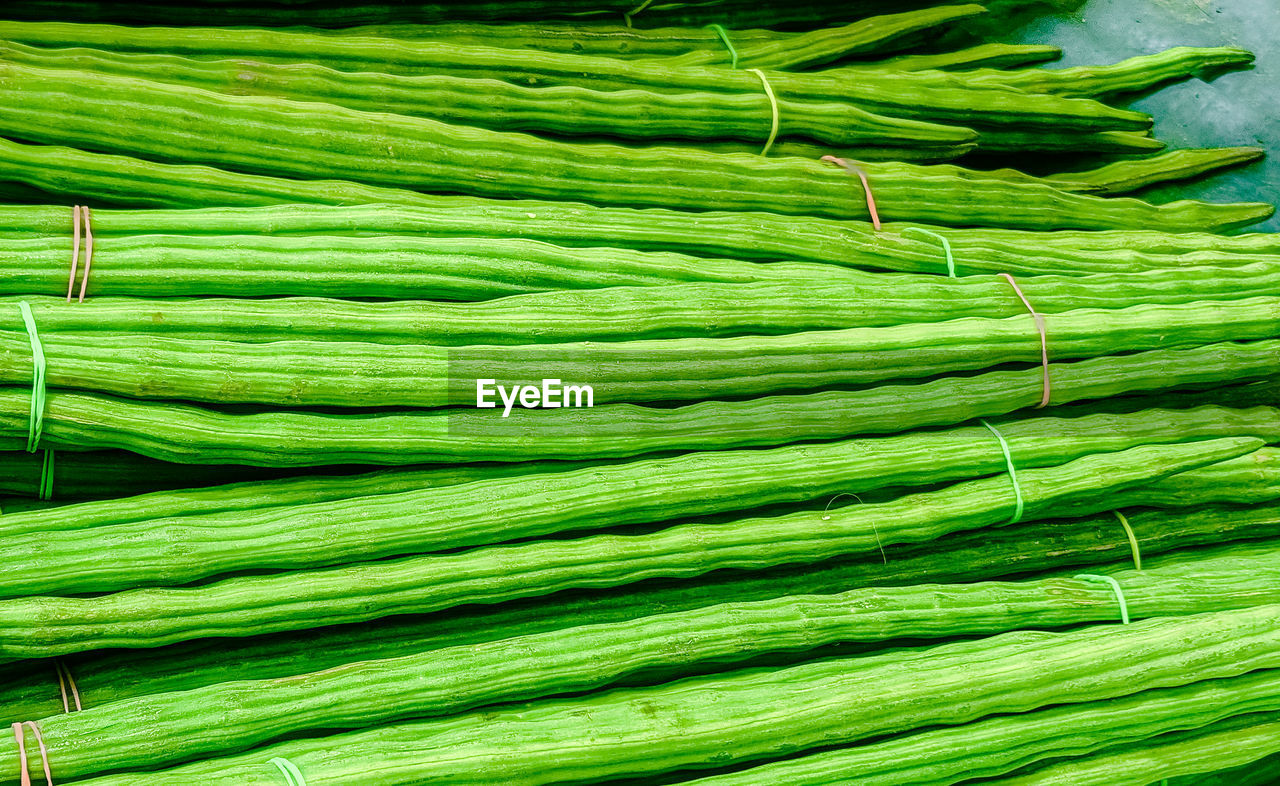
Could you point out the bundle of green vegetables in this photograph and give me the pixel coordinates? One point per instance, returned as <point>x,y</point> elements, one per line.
<point>902,441</point>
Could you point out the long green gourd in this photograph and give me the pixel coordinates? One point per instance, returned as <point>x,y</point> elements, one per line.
<point>187,434</point>
<point>1122,177</point>
<point>756,715</point>
<point>991,55</point>
<point>576,111</point>
<point>274,136</point>
<point>1263,772</point>
<point>1128,76</point>
<point>131,181</point>
<point>162,730</point>
<point>347,374</point>
<point>250,605</point>
<point>994,746</point>
<point>700,309</point>
<point>1031,439</point>
<point>158,551</point>
<point>1237,741</point>
<point>931,96</point>
<point>981,555</point>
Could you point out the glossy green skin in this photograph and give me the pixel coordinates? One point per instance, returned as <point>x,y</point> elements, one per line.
<point>250,605</point>
<point>159,551</point>
<point>350,375</point>
<point>707,310</point>
<point>1128,76</point>
<point>1122,177</point>
<point>565,111</point>
<point>994,746</point>
<point>1236,741</point>
<point>757,236</point>
<point>983,555</point>
<point>161,730</point>
<point>755,715</point>
<point>186,434</point>
<point>273,136</point>
<point>932,97</point>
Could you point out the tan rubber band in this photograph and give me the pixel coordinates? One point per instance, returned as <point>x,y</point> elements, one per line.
<point>65,680</point>
<point>1044,340</point>
<point>1133,540</point>
<point>25,779</point>
<point>866,186</point>
<point>78,214</point>
<point>773,102</point>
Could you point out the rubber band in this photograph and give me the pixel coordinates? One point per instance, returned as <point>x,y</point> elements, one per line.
<point>75,250</point>
<point>35,422</point>
<point>1115,587</point>
<point>627,16</point>
<point>1019,503</point>
<point>826,516</point>
<point>946,246</point>
<point>773,103</point>
<point>46,476</point>
<point>292,775</point>
<point>1044,340</point>
<point>724,36</point>
<point>88,252</point>
<point>866,186</point>
<point>1133,540</point>
<point>65,680</point>
<point>20,736</point>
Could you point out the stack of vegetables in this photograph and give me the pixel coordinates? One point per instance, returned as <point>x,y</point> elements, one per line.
<point>917,449</point>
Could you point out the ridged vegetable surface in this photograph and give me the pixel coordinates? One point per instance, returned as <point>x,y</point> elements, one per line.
<point>239,606</point>
<point>160,551</point>
<point>446,682</point>
<point>753,715</point>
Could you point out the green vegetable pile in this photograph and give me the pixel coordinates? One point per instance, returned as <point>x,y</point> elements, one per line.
<point>718,393</point>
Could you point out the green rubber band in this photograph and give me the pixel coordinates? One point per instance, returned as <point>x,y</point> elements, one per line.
<point>724,36</point>
<point>1013,473</point>
<point>773,104</point>
<point>290,771</point>
<point>1133,540</point>
<point>35,422</point>
<point>946,246</point>
<point>1115,587</point>
<point>627,16</point>
<point>46,476</point>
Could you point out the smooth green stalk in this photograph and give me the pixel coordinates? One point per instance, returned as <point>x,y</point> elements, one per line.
<point>757,715</point>
<point>250,605</point>
<point>348,375</point>
<point>993,55</point>
<point>162,730</point>
<point>158,551</point>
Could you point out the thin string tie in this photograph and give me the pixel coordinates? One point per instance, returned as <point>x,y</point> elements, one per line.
<point>292,775</point>
<point>724,36</point>
<point>1133,540</point>
<point>19,735</point>
<point>67,685</point>
<point>35,421</point>
<point>826,516</point>
<point>627,16</point>
<point>80,214</point>
<point>773,104</point>
<point>1019,504</point>
<point>946,246</point>
<point>1115,587</point>
<point>866,186</point>
<point>1046,385</point>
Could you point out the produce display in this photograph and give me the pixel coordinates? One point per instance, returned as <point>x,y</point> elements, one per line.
<point>719,393</point>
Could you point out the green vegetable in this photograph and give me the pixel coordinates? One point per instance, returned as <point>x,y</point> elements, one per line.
<point>1124,176</point>
<point>153,550</point>
<point>249,605</point>
<point>176,432</point>
<point>766,714</point>
<point>991,55</point>
<point>445,682</point>
<point>347,374</point>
